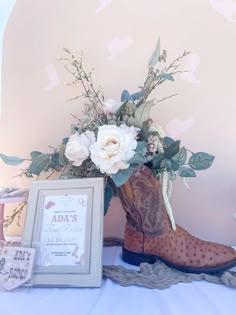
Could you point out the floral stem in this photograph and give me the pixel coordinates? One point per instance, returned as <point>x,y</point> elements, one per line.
<point>164,98</point>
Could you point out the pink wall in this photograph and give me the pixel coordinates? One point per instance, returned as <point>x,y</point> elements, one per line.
<point>117,38</point>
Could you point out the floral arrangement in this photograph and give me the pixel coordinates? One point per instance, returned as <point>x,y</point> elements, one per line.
<point>114,139</point>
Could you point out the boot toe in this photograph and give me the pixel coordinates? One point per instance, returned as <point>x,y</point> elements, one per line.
<point>135,258</point>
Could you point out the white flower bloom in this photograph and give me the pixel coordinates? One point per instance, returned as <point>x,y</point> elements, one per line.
<point>111,106</point>
<point>77,147</point>
<point>114,148</point>
<point>132,129</point>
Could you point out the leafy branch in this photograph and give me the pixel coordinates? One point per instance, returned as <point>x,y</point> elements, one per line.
<point>155,77</point>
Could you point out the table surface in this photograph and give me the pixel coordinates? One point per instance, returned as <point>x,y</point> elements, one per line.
<point>197,298</point>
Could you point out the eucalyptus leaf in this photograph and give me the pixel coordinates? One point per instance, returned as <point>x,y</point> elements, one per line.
<point>62,158</point>
<point>144,130</point>
<point>130,105</point>
<point>107,197</point>
<point>168,141</point>
<point>54,162</point>
<point>11,160</point>
<point>133,122</point>
<point>166,163</point>
<point>38,164</point>
<point>172,150</point>
<point>137,159</point>
<point>141,146</point>
<point>200,161</point>
<point>136,96</point>
<point>65,140</point>
<point>140,152</point>
<point>155,55</point>
<point>123,175</point>
<point>121,109</point>
<point>143,112</point>
<point>174,165</point>
<point>34,154</point>
<point>125,96</point>
<point>185,171</point>
<point>156,161</point>
<point>181,156</point>
<point>166,76</point>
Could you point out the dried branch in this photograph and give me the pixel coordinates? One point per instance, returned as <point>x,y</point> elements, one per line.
<point>16,214</point>
<point>165,98</point>
<point>152,82</point>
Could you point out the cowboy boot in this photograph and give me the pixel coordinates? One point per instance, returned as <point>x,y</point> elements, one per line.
<point>150,237</point>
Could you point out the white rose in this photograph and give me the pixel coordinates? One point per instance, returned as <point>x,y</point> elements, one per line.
<point>77,147</point>
<point>114,148</point>
<point>111,106</point>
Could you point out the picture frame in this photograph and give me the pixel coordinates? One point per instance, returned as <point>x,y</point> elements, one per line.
<point>64,222</point>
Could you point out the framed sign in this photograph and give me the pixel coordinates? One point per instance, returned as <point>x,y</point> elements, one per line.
<point>64,223</point>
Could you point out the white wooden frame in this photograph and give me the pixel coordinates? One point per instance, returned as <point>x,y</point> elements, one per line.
<point>55,227</point>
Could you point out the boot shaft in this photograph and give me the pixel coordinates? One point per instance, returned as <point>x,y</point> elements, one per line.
<point>142,201</point>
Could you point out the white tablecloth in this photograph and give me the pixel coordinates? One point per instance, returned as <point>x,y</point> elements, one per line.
<point>197,298</point>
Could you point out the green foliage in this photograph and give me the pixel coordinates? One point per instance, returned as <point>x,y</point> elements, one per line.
<point>39,163</point>
<point>125,96</point>
<point>11,160</point>
<point>144,131</point>
<point>167,164</point>
<point>200,161</point>
<point>155,55</point>
<point>142,113</point>
<point>174,165</point>
<point>166,76</point>
<point>34,154</point>
<point>179,162</point>
<point>136,96</point>
<point>157,159</point>
<point>121,109</point>
<point>130,107</point>
<point>134,111</point>
<point>65,140</point>
<point>54,162</point>
<point>181,157</point>
<point>123,175</point>
<point>172,149</point>
<point>168,141</point>
<point>141,146</point>
<point>185,171</point>
<point>140,152</point>
<point>108,194</point>
<point>137,159</point>
<point>62,158</point>
<point>133,122</point>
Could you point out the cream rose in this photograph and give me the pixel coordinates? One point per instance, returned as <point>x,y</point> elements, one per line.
<point>114,148</point>
<point>77,147</point>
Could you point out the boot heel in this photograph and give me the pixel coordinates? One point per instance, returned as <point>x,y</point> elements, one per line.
<point>136,259</point>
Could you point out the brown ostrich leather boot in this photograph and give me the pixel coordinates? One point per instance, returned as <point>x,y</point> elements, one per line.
<point>149,235</point>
